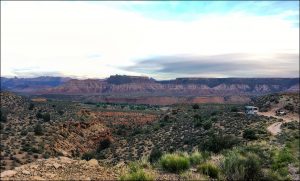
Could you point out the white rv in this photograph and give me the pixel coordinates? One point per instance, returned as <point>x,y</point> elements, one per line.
<point>251,110</point>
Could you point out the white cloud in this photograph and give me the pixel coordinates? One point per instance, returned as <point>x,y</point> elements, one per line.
<point>61,37</point>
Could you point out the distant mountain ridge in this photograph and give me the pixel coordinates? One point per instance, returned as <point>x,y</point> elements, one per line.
<point>31,84</point>
<point>128,86</point>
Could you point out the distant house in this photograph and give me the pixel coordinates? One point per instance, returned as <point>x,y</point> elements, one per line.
<point>251,110</point>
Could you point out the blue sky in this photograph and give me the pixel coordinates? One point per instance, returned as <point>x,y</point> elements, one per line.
<point>189,10</point>
<point>151,38</point>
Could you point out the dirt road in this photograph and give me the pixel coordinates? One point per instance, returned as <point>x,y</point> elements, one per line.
<point>274,128</point>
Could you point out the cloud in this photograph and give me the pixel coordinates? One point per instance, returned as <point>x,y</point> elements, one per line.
<point>63,37</point>
<point>34,71</point>
<point>224,65</point>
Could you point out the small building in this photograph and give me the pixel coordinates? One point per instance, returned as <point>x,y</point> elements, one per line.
<point>251,110</point>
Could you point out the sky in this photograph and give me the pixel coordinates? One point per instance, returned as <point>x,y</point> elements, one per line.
<point>163,40</point>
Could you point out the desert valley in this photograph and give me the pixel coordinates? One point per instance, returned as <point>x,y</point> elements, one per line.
<point>78,129</point>
<point>150,90</point>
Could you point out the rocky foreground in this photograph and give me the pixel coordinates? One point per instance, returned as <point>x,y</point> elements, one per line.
<point>63,168</point>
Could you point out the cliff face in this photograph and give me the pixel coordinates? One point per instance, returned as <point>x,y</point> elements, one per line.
<point>146,90</point>
<point>137,86</point>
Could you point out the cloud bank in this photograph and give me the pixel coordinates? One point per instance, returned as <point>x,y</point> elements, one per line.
<point>223,65</point>
<point>97,39</point>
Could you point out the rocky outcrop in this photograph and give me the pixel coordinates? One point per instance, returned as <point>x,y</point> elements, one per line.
<point>62,168</point>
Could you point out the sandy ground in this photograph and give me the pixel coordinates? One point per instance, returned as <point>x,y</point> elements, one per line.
<point>274,128</point>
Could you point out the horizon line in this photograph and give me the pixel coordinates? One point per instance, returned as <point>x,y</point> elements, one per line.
<point>85,78</point>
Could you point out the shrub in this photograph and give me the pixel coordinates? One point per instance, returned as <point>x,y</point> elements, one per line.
<point>166,118</point>
<point>105,143</point>
<point>175,162</point>
<point>282,159</point>
<point>46,155</point>
<point>197,117</point>
<point>60,112</point>
<point>289,107</point>
<point>214,119</point>
<point>252,167</point>
<point>217,143</point>
<point>23,133</point>
<point>46,117</point>
<point>31,106</point>
<point>249,134</point>
<point>233,166</point>
<point>38,130</point>
<point>270,175</point>
<point>207,124</point>
<point>155,155</point>
<point>234,109</point>
<point>209,169</point>
<point>3,115</point>
<point>197,120</point>
<point>136,173</point>
<point>88,155</point>
<point>139,175</point>
<point>196,158</point>
<point>214,113</point>
<point>195,106</point>
<point>291,125</point>
<point>238,167</point>
<point>39,115</point>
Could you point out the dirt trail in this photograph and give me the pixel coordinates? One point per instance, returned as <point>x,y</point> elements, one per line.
<point>274,128</point>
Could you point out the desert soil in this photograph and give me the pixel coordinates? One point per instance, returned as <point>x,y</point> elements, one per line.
<point>275,128</point>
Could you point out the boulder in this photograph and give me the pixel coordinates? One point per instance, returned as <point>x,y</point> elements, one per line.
<point>56,165</point>
<point>93,162</point>
<point>8,173</point>
<point>25,172</point>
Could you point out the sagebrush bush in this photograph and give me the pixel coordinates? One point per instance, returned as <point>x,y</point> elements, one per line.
<point>196,157</point>
<point>88,155</point>
<point>252,167</point>
<point>38,130</point>
<point>249,134</point>
<point>175,162</point>
<point>46,117</point>
<point>241,167</point>
<point>207,124</point>
<point>103,144</point>
<point>155,155</point>
<point>139,175</point>
<point>136,173</point>
<point>281,159</point>
<point>209,169</point>
<point>196,106</point>
<point>233,166</point>
<point>3,115</point>
<point>270,175</point>
<point>39,115</point>
<point>31,106</point>
<point>217,143</point>
<point>234,109</point>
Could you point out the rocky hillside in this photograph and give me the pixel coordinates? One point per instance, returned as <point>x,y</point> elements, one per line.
<point>62,168</point>
<point>110,137</point>
<point>28,134</point>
